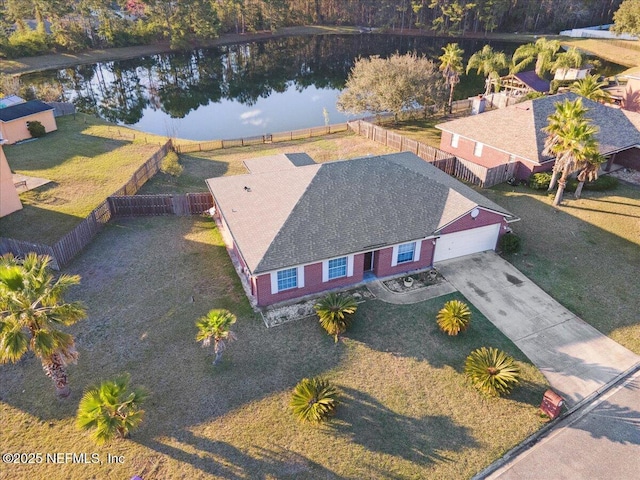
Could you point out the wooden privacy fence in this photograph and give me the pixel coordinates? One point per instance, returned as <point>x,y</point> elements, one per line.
<point>260,139</point>
<point>63,251</point>
<point>167,204</point>
<point>397,141</point>
<point>461,169</point>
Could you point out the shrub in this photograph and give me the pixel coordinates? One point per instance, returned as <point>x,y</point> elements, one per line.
<point>540,181</point>
<point>36,129</point>
<point>510,243</point>
<point>171,165</point>
<point>335,312</point>
<point>454,317</point>
<point>313,400</point>
<point>492,371</point>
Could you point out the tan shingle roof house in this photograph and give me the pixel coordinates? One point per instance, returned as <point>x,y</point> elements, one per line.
<point>511,140</point>
<point>14,119</point>
<point>297,227</point>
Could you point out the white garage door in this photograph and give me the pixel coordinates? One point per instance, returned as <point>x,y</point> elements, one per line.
<point>457,244</point>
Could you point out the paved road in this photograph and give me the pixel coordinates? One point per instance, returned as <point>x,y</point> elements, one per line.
<point>601,442</point>
<point>575,358</point>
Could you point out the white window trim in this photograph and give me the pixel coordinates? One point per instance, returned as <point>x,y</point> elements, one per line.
<point>325,268</point>
<point>477,150</point>
<point>416,252</point>
<point>455,140</point>
<point>299,279</point>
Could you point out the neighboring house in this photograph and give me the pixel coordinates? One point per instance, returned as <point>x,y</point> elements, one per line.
<point>9,199</point>
<point>519,84</point>
<point>299,230</point>
<point>13,120</point>
<point>509,142</point>
<point>627,95</point>
<point>563,74</point>
<point>9,100</point>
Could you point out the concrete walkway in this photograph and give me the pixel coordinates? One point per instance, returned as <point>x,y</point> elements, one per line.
<point>415,296</point>
<point>575,358</point>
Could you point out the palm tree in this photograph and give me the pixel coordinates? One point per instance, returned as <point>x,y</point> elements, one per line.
<point>492,371</point>
<point>313,400</point>
<point>31,311</point>
<point>451,67</point>
<point>590,87</point>
<point>335,312</point>
<point>572,58</point>
<point>488,63</point>
<point>543,52</point>
<point>570,138</point>
<point>454,317</point>
<point>589,172</point>
<point>111,409</point>
<point>215,325</point>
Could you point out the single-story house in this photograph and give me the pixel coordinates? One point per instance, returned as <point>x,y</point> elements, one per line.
<point>571,73</point>
<point>14,119</point>
<point>627,94</point>
<point>9,100</point>
<point>297,227</point>
<point>509,142</point>
<point>9,199</point>
<point>519,84</point>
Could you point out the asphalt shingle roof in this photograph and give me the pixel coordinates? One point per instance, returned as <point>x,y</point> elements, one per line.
<point>315,212</point>
<point>23,110</point>
<point>518,129</point>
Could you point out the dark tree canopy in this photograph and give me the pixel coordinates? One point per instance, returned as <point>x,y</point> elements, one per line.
<point>42,25</point>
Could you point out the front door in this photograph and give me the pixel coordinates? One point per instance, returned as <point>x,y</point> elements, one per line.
<point>368,261</point>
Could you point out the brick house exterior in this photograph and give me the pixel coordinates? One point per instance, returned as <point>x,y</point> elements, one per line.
<point>511,139</point>
<point>301,230</point>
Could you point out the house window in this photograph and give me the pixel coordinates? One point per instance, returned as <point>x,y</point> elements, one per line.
<point>337,268</point>
<point>406,252</point>
<point>477,151</point>
<point>287,279</point>
<point>455,138</point>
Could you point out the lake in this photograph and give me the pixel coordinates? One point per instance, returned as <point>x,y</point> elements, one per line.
<point>240,90</point>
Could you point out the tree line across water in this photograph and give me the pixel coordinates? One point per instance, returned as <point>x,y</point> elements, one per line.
<point>32,27</point>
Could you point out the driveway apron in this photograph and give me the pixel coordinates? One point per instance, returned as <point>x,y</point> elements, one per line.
<point>575,358</point>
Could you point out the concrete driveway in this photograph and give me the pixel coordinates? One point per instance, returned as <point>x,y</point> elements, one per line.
<point>575,358</point>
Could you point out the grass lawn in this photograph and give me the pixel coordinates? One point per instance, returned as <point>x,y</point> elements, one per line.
<point>87,160</point>
<point>406,412</point>
<point>586,253</point>
<point>622,52</point>
<point>216,163</point>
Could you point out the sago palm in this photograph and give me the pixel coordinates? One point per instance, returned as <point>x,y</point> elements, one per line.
<point>451,67</point>
<point>336,312</point>
<point>313,400</point>
<point>32,309</point>
<point>454,317</point>
<point>590,87</point>
<point>488,63</point>
<point>216,325</point>
<point>111,409</point>
<point>492,371</point>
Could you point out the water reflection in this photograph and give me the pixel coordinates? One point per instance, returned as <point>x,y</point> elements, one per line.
<point>237,90</point>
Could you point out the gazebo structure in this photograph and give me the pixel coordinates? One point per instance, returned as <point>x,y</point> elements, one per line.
<point>519,84</point>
